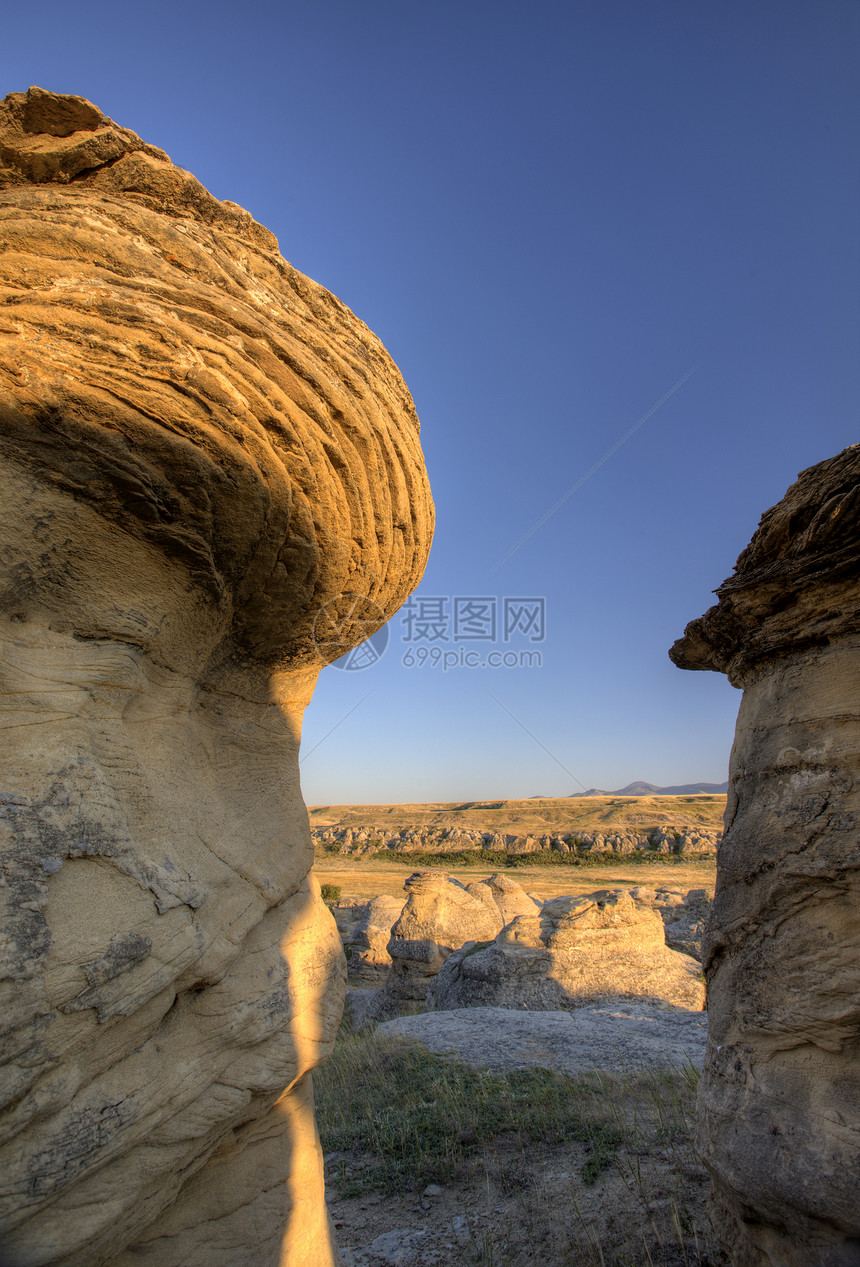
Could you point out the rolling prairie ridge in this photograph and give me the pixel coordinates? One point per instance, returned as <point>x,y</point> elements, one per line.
<point>580,813</point>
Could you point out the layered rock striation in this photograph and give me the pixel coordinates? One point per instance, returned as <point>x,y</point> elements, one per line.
<point>212,484</point>
<point>779,1126</point>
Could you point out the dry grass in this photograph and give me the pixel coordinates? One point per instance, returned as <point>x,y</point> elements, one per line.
<point>534,817</point>
<point>363,878</point>
<point>534,1166</point>
<point>421,1116</point>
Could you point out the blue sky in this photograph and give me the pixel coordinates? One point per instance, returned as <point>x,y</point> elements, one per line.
<point>550,215</point>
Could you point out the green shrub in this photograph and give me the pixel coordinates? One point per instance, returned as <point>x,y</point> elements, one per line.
<point>330,893</point>
<point>499,861</point>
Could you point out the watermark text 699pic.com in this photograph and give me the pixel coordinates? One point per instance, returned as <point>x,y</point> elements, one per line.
<point>445,658</point>
<point>438,629</point>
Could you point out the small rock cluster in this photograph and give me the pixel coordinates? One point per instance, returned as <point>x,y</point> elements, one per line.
<point>683,916</point>
<point>492,944</point>
<point>365,928</point>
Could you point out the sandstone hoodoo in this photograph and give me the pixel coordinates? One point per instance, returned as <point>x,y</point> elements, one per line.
<point>779,1125</point>
<point>439,916</point>
<point>574,951</point>
<point>206,462</point>
<point>365,928</point>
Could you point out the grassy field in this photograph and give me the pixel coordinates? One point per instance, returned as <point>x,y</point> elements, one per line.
<point>507,1169</point>
<point>533,817</point>
<point>447,1163</point>
<point>367,877</point>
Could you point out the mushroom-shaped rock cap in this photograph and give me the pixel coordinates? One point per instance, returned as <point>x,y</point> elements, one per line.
<point>796,585</point>
<point>161,361</point>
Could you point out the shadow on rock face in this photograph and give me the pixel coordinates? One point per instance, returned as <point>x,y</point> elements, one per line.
<point>778,1105</point>
<point>200,449</point>
<point>575,951</point>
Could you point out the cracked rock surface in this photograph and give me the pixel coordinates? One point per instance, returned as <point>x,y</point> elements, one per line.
<point>779,1126</point>
<point>212,484</point>
<point>625,1036</point>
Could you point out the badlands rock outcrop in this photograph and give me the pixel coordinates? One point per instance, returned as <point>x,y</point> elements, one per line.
<point>440,915</point>
<point>212,484</point>
<point>779,1125</point>
<point>684,915</point>
<point>363,842</point>
<point>575,950</point>
<point>365,928</point>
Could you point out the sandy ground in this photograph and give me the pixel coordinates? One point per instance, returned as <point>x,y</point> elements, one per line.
<point>363,878</point>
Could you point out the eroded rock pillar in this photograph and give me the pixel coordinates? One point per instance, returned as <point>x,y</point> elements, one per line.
<point>211,484</point>
<point>779,1106</point>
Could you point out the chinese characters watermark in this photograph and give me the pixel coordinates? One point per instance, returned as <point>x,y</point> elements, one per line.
<point>437,629</point>
<point>472,618</point>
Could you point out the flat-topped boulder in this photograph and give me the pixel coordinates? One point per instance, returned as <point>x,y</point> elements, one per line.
<point>619,1037</point>
<point>575,950</point>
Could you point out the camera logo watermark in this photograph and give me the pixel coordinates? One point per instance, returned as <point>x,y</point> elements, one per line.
<point>348,620</point>
<point>437,630</point>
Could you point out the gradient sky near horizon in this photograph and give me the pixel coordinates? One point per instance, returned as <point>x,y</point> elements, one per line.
<point>550,215</point>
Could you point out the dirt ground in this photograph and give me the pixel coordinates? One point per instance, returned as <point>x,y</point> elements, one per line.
<point>517,1211</point>
<point>520,1208</point>
<point>364,878</point>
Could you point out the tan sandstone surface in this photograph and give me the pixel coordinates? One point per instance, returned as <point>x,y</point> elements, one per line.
<point>365,928</point>
<point>779,1126</point>
<point>572,951</point>
<point>439,915</point>
<point>212,484</point>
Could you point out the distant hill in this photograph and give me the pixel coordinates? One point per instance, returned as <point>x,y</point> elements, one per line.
<point>535,818</point>
<point>648,789</point>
